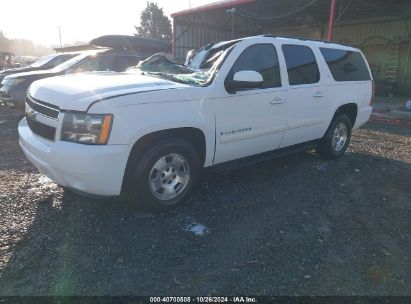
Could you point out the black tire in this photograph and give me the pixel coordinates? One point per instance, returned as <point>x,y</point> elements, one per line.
<point>326,148</point>
<point>138,186</point>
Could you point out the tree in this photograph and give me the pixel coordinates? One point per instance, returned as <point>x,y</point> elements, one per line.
<point>4,42</point>
<point>154,24</point>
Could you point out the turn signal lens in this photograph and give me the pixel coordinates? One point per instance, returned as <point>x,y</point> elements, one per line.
<point>105,129</point>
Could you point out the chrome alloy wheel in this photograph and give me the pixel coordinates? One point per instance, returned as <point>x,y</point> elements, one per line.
<point>340,137</point>
<point>169,176</point>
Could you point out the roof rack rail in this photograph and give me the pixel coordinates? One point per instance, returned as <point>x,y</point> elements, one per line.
<point>302,39</point>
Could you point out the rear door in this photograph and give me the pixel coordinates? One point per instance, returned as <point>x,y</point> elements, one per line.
<point>307,105</point>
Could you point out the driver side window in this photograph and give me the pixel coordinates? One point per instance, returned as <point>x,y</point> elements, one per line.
<point>261,58</point>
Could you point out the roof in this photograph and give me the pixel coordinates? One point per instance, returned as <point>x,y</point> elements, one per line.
<point>316,41</point>
<point>291,39</point>
<point>212,6</point>
<point>131,43</point>
<point>75,48</point>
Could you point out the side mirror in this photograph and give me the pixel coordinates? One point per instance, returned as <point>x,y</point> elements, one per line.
<point>245,80</point>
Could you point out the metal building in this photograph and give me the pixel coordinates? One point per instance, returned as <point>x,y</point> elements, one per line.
<point>381,28</point>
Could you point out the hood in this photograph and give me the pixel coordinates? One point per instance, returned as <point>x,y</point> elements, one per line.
<point>8,72</point>
<point>33,75</point>
<point>77,92</point>
<point>18,70</point>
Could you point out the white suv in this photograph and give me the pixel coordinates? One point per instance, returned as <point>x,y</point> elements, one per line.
<point>150,135</point>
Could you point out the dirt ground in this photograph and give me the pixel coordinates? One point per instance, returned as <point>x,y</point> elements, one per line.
<point>293,226</point>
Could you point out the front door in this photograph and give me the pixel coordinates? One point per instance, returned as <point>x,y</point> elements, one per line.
<point>251,121</point>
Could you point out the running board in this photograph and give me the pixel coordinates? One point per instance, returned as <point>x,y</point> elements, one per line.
<point>258,158</point>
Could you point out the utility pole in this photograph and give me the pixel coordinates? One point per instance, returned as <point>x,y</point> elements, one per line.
<point>232,12</point>
<point>331,21</point>
<point>59,28</point>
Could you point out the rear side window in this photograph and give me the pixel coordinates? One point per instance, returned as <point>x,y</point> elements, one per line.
<point>301,64</point>
<point>105,63</point>
<point>58,60</point>
<point>261,58</point>
<point>97,63</point>
<point>346,65</point>
<point>116,63</point>
<point>122,63</point>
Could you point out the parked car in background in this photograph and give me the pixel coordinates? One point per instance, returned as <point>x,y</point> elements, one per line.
<point>25,61</point>
<point>6,60</point>
<point>14,87</point>
<point>44,63</point>
<point>151,135</point>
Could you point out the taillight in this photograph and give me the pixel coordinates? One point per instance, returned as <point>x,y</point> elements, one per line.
<point>372,92</point>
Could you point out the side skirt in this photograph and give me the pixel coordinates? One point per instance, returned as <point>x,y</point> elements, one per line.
<point>258,158</point>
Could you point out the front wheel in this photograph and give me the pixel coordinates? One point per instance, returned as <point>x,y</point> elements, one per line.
<point>335,142</point>
<point>165,176</point>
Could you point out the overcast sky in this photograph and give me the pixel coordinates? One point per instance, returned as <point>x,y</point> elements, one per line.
<point>80,20</point>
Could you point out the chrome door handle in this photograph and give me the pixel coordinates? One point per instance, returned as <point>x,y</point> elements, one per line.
<point>318,95</point>
<point>277,100</point>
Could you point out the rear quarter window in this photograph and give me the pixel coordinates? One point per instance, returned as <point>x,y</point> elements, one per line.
<point>346,65</point>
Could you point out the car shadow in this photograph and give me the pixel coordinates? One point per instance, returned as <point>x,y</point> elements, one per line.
<point>295,225</point>
<point>399,127</point>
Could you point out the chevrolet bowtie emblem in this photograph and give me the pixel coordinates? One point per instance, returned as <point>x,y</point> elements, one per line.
<point>31,114</point>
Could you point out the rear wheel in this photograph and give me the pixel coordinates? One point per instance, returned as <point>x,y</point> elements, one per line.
<point>165,175</point>
<point>336,140</point>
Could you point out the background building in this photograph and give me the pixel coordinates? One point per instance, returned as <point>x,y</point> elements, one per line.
<point>381,28</point>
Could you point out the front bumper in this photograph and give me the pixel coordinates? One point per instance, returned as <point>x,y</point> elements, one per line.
<point>96,170</point>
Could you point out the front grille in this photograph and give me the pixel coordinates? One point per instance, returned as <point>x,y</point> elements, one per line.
<point>4,95</point>
<point>43,107</point>
<point>41,129</point>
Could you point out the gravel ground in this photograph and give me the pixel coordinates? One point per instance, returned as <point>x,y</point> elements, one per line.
<point>293,226</point>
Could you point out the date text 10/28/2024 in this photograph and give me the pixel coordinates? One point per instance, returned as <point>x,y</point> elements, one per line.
<point>203,300</point>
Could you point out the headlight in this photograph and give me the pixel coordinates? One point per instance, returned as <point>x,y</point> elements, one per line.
<point>84,128</point>
<point>12,82</point>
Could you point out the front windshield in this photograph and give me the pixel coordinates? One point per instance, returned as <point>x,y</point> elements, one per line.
<point>198,59</point>
<point>43,60</point>
<point>69,63</point>
<point>199,78</point>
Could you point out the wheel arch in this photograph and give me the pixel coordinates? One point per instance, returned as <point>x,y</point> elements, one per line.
<point>193,135</point>
<point>350,109</point>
